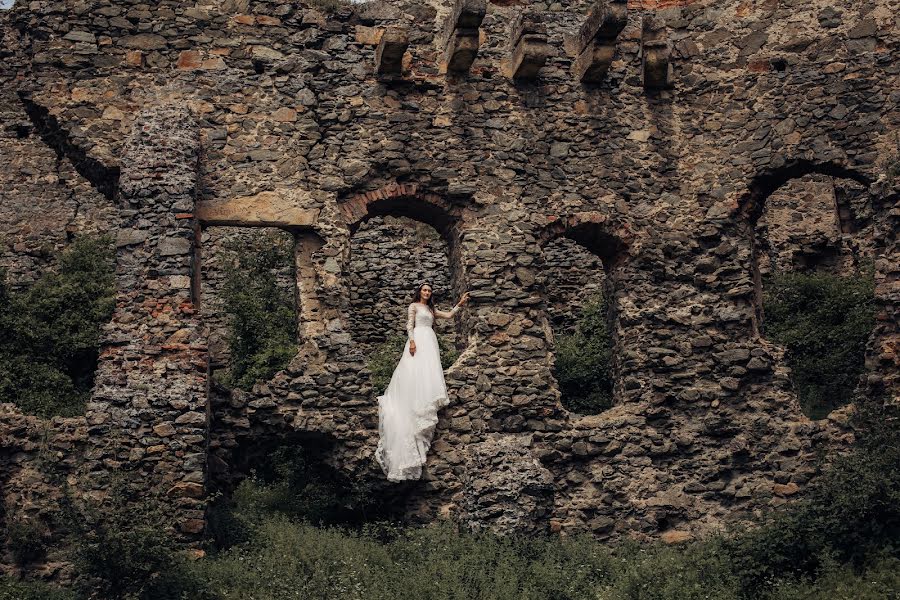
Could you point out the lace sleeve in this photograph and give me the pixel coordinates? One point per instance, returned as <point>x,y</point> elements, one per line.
<point>411,321</point>
<point>446,315</point>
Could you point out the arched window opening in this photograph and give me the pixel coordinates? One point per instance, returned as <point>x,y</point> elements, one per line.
<point>389,257</point>
<point>815,267</point>
<point>578,310</point>
<point>579,263</point>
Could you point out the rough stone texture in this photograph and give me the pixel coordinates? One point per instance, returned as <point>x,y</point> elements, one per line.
<point>816,222</point>
<point>665,189</point>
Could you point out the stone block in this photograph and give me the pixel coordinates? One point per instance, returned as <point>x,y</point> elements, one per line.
<point>592,64</point>
<point>604,22</point>
<point>529,56</point>
<point>462,48</point>
<point>655,52</point>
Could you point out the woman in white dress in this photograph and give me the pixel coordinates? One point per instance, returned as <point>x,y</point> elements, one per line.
<point>407,412</point>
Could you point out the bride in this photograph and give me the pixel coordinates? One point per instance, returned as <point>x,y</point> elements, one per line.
<point>407,412</point>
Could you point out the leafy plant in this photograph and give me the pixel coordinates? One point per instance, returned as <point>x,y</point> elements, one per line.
<point>583,363</point>
<point>823,321</point>
<point>26,539</point>
<point>123,548</point>
<point>49,333</point>
<point>32,590</point>
<point>262,326</point>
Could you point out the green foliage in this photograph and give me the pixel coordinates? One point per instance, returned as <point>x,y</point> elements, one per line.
<point>880,581</point>
<point>26,540</point>
<point>697,571</point>
<point>823,321</point>
<point>383,360</point>
<point>124,549</point>
<point>287,559</point>
<point>583,364</point>
<point>49,333</point>
<point>262,332</point>
<point>32,590</point>
<point>850,514</point>
<point>292,481</point>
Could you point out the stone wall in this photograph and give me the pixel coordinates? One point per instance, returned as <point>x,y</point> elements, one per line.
<point>389,258</point>
<point>816,223</point>
<point>284,123</point>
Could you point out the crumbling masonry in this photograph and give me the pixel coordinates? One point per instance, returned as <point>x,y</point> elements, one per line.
<point>649,137</point>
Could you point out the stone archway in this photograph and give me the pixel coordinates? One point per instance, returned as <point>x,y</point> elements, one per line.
<point>811,218</point>
<point>602,242</point>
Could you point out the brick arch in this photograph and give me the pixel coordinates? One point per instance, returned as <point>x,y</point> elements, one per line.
<point>396,199</point>
<point>752,203</point>
<point>750,208</point>
<point>412,201</point>
<point>595,231</point>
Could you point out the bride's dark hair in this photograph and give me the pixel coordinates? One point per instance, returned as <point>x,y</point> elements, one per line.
<point>417,296</point>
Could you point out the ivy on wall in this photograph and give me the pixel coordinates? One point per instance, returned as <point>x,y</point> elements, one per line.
<point>49,332</point>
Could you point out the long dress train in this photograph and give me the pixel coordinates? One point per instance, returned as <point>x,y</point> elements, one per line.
<point>407,412</point>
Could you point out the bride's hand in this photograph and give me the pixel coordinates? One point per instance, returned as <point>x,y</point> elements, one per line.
<point>465,298</point>
<point>412,348</point>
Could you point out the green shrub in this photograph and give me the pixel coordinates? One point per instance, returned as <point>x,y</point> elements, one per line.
<point>49,333</point>
<point>700,570</point>
<point>262,324</point>
<point>123,548</point>
<point>26,540</point>
<point>583,363</point>
<point>850,514</point>
<point>823,321</point>
<point>287,559</point>
<point>384,358</point>
<point>290,480</point>
<point>879,581</point>
<point>32,590</point>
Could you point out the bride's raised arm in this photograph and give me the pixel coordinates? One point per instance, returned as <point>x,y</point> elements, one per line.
<point>446,315</point>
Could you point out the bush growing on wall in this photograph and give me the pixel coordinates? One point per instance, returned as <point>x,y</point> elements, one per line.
<point>49,333</point>
<point>583,364</point>
<point>823,321</point>
<point>262,325</point>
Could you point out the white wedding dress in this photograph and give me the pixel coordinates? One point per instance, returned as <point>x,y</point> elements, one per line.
<point>407,412</point>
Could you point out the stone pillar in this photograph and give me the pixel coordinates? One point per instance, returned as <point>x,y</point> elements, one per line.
<point>148,416</point>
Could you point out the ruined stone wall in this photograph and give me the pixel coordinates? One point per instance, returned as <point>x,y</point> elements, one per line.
<point>389,258</point>
<point>294,129</point>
